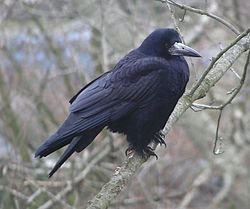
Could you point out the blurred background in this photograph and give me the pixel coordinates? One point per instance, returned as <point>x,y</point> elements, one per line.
<point>50,49</point>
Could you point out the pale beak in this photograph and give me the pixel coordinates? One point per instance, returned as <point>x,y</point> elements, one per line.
<point>183,50</point>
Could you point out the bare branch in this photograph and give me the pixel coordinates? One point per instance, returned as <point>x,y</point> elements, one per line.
<point>218,151</point>
<point>228,180</point>
<point>118,181</point>
<point>234,93</point>
<point>199,180</point>
<point>174,18</point>
<point>13,192</point>
<point>76,180</point>
<point>218,57</point>
<point>203,12</point>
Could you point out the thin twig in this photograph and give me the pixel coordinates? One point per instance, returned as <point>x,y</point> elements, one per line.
<point>194,88</point>
<point>174,18</point>
<point>203,12</point>
<point>147,194</point>
<point>53,197</point>
<point>199,180</point>
<point>33,196</point>
<point>13,192</point>
<point>222,106</point>
<point>234,92</point>
<point>219,150</point>
<point>228,178</point>
<point>77,179</point>
<point>235,73</point>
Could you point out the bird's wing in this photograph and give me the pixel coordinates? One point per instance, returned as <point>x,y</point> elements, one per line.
<point>116,93</point>
<point>85,87</point>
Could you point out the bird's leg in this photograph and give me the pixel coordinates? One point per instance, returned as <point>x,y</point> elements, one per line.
<point>159,138</point>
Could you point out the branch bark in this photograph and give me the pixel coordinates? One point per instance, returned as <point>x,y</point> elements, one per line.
<point>118,181</point>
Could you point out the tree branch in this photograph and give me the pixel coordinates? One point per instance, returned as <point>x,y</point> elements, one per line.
<point>118,181</point>
<point>202,12</point>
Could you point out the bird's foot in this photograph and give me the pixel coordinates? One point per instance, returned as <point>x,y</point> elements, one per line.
<point>159,138</point>
<point>129,151</point>
<point>148,151</point>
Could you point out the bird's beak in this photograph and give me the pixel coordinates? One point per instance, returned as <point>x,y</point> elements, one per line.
<point>183,50</point>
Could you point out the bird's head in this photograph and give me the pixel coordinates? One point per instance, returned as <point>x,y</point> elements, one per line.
<point>166,42</point>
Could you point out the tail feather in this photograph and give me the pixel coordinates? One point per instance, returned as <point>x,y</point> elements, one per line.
<point>76,144</point>
<point>67,153</point>
<point>87,138</point>
<point>52,144</point>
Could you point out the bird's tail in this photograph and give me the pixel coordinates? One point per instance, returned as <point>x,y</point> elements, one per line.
<point>53,143</point>
<point>67,153</point>
<point>76,144</point>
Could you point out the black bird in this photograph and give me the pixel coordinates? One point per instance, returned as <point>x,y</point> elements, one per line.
<point>135,98</point>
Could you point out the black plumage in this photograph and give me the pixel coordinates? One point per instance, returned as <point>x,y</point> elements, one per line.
<point>135,98</point>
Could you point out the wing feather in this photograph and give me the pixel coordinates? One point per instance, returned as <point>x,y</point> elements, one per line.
<point>112,96</point>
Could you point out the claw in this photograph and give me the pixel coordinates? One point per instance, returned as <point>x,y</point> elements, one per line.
<point>150,152</point>
<point>129,150</point>
<point>146,152</point>
<point>159,138</point>
<point>154,155</point>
